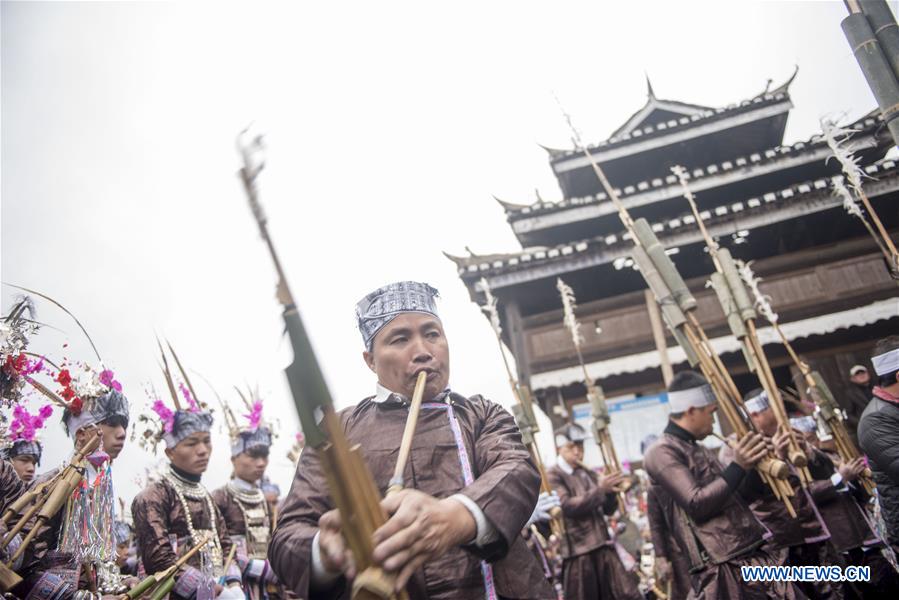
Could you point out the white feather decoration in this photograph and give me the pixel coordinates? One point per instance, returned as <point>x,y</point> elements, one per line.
<point>568,305</point>
<point>837,139</point>
<point>752,281</point>
<point>490,308</point>
<point>849,203</point>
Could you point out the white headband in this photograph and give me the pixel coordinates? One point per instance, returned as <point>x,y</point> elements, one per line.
<point>886,363</point>
<point>78,422</point>
<point>697,397</point>
<point>804,424</point>
<point>757,404</point>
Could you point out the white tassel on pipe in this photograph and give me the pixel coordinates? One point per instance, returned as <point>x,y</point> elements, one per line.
<point>568,305</point>
<point>762,302</point>
<point>849,203</point>
<point>837,139</point>
<point>490,308</point>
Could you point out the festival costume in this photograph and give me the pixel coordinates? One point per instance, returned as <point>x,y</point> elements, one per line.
<point>176,512</point>
<point>74,552</point>
<point>798,541</point>
<point>467,448</point>
<point>706,517</point>
<point>591,567</point>
<point>665,546</point>
<point>245,509</point>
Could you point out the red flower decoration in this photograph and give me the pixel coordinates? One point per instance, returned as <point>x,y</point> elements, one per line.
<point>64,378</point>
<point>75,406</point>
<point>15,365</point>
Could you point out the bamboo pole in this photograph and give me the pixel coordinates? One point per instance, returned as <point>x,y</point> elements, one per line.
<point>658,336</point>
<point>723,265</point>
<point>349,481</point>
<point>846,448</point>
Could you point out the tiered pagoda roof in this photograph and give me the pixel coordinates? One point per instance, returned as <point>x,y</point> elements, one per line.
<point>662,129</point>
<point>727,219</point>
<point>548,223</point>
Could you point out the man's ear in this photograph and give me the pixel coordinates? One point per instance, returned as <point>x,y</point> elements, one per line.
<point>369,359</point>
<point>168,453</point>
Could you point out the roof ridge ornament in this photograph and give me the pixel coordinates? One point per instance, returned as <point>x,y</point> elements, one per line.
<point>649,91</point>
<point>782,88</point>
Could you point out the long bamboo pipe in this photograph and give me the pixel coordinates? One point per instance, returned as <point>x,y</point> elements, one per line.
<point>375,581</point>
<point>396,482</point>
<point>151,581</point>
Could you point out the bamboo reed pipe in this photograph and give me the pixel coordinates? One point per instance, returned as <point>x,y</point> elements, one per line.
<point>396,482</point>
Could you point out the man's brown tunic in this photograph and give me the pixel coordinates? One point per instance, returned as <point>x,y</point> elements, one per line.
<point>160,522</point>
<point>799,541</point>
<point>708,519</point>
<point>239,509</point>
<point>665,546</point>
<point>591,567</point>
<point>236,517</point>
<point>11,487</point>
<point>505,488</point>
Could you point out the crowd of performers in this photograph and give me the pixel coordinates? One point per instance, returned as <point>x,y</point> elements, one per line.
<point>471,521</point>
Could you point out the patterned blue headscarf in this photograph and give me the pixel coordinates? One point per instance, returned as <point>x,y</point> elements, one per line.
<point>386,303</point>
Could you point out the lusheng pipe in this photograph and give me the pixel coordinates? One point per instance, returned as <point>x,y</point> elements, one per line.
<point>350,483</point>
<point>396,482</point>
<point>877,70</point>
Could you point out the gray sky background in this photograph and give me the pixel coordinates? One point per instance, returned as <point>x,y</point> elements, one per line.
<point>390,126</point>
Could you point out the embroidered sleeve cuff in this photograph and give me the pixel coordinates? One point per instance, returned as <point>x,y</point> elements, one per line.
<point>50,587</point>
<point>188,582</point>
<point>486,533</point>
<point>733,474</point>
<point>321,578</point>
<point>256,568</point>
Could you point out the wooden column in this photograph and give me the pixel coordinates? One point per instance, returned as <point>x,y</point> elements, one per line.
<point>517,342</point>
<point>658,334</point>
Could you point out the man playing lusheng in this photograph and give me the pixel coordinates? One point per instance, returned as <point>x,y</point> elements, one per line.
<point>802,540</point>
<point>708,519</point>
<point>455,531</point>
<point>591,567</point>
<point>51,561</point>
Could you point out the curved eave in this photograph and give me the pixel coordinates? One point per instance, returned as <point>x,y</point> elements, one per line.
<point>785,86</point>
<point>539,263</point>
<point>554,152</point>
<point>511,207</point>
<point>866,125</point>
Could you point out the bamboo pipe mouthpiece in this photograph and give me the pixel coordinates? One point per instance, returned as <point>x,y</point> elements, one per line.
<point>24,500</point>
<point>8,578</point>
<point>798,459</point>
<point>164,588</point>
<point>777,469</point>
<point>374,584</point>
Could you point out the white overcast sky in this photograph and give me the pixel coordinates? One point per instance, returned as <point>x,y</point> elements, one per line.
<point>390,127</point>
